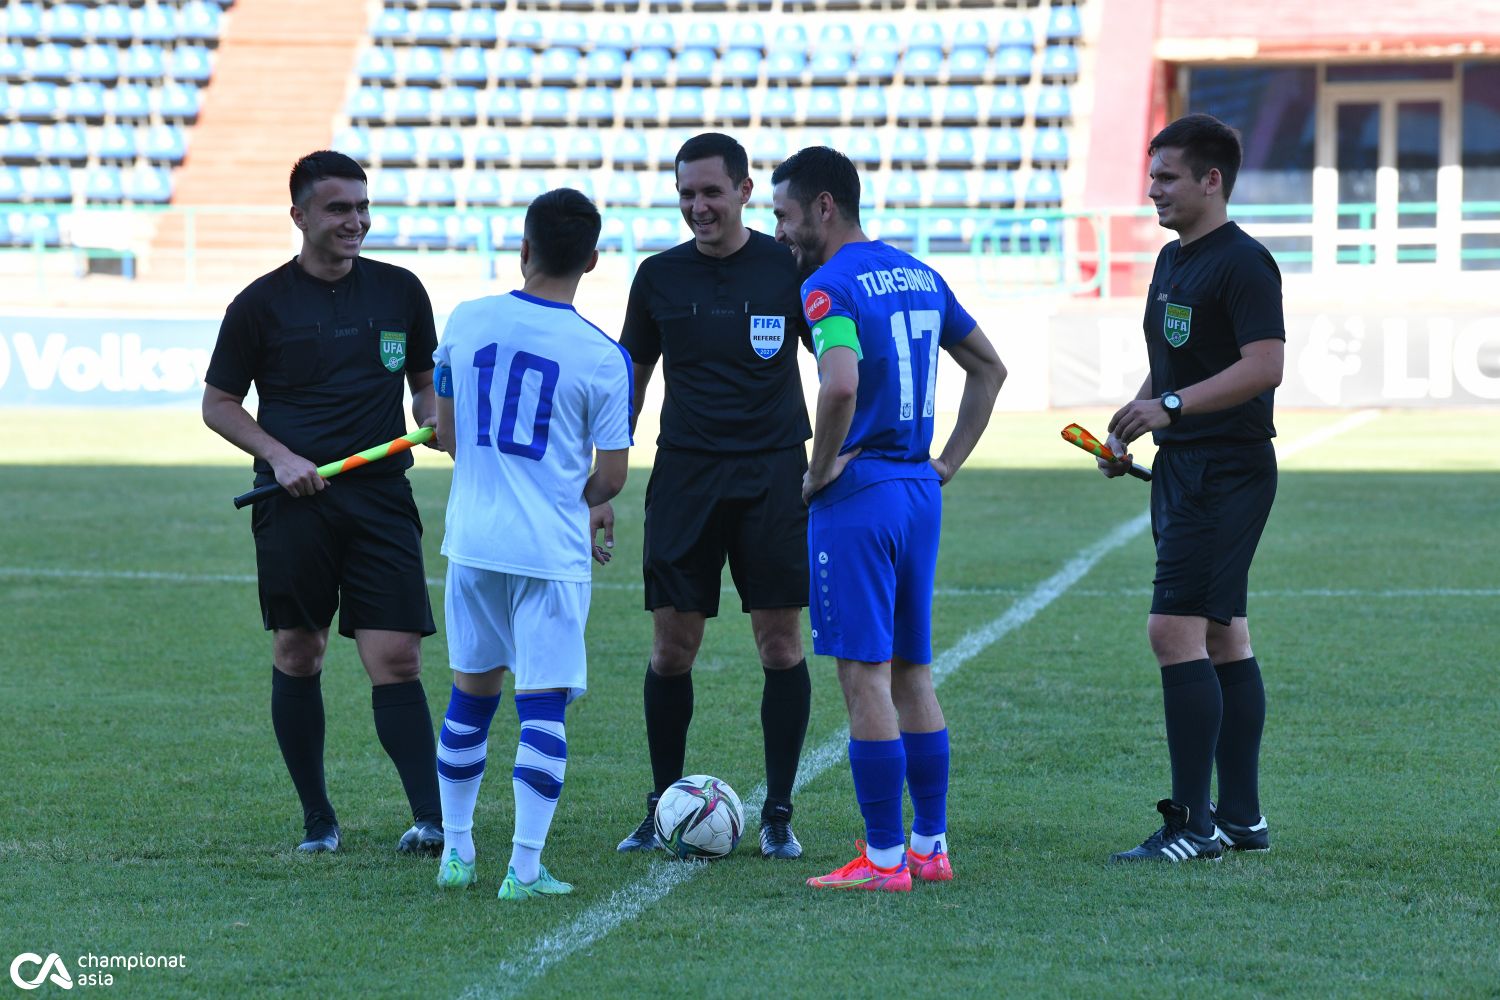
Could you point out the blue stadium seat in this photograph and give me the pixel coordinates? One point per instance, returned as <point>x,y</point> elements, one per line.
<point>503,105</point>
<point>747,32</point>
<point>475,26</point>
<point>835,36</point>
<point>378,65</point>
<point>440,147</point>
<point>49,61</point>
<point>968,64</point>
<point>67,142</point>
<point>597,106</point>
<point>537,147</point>
<point>779,105</point>
<point>833,66</point>
<point>903,190</point>
<point>702,34</point>
<point>354,141</point>
<point>629,150</point>
<point>955,148</point>
<point>1060,62</point>
<point>108,23</point>
<point>662,189</point>
<point>23,22</point>
<point>64,23</point>
<point>525,187</point>
<point>11,189</point>
<point>896,230</point>
<point>178,101</point>
<point>366,104</point>
<point>483,188</point>
<point>641,107</point>
<point>389,187</point>
<point>914,106</point>
<point>198,21</point>
<point>148,185</point>
<point>162,144</point>
<point>1050,146</point>
<point>604,65</point>
<point>514,66</point>
<point>864,148</point>
<point>34,101</point>
<point>909,148</point>
<point>611,234</point>
<point>1064,25</point>
<point>732,105</point>
<point>1015,29</point>
<point>881,36</point>
<point>420,231</point>
<point>549,105</point>
<point>56,183</point>
<point>947,234</point>
<point>560,65</point>
<point>433,26</point>
<point>1053,103</point>
<point>115,142</point>
<point>651,65</point>
<point>103,184</point>
<point>1044,187</point>
<point>869,106</point>
<point>435,187</point>
<point>926,35</point>
<point>583,147</point>
<point>492,148</point>
<point>420,65</point>
<point>786,66</point>
<point>143,62</point>
<point>458,105</point>
<point>997,189</point>
<point>694,66</point>
<point>526,32</point>
<point>129,102</point>
<point>1002,147</point>
<point>396,146</point>
<point>391,26</point>
<point>13,60</point>
<point>81,101</point>
<point>382,234</point>
<point>569,33</point>
<point>769,147</point>
<point>686,106</point>
<point>612,34</point>
<point>961,105</point>
<point>154,24</point>
<point>624,190</point>
<point>949,189</point>
<point>411,106</point>
<point>656,234</point>
<point>466,66</point>
<point>21,141</point>
<point>1007,104</point>
<point>971,32</point>
<point>1013,63</point>
<point>658,33</point>
<point>740,65</point>
<point>876,65</point>
<point>826,106</point>
<point>922,64</point>
<point>791,36</point>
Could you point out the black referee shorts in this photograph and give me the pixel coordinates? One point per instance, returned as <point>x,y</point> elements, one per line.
<point>702,508</point>
<point>356,546</point>
<point>1208,508</point>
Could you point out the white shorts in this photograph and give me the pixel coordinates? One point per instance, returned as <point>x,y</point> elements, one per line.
<point>531,626</point>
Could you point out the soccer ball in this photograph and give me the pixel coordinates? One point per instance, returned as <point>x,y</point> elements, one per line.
<point>699,817</point>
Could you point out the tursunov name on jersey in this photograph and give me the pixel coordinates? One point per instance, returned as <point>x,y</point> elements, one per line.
<point>897,279</point>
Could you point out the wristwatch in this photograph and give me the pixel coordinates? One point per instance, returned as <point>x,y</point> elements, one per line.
<point>1172,403</point>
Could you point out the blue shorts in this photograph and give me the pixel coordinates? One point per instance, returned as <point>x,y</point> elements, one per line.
<point>873,556</point>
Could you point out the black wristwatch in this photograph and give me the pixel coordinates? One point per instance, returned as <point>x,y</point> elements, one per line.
<point>1172,403</point>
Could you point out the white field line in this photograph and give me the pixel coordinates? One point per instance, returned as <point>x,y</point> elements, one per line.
<point>512,976</point>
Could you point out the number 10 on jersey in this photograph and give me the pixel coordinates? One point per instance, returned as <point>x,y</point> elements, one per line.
<point>923,323</point>
<point>527,372</point>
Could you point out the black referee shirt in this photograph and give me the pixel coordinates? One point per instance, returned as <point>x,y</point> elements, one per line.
<point>329,359</point>
<point>727,329</point>
<point>1207,300</point>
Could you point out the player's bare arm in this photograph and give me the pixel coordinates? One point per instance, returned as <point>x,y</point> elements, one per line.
<point>423,401</point>
<point>1258,369</point>
<point>984,373</point>
<point>604,484</point>
<point>838,387</point>
<point>641,374</point>
<point>225,415</point>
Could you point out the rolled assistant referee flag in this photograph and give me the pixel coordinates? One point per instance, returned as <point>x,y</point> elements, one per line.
<point>403,443</point>
<point>1076,435</point>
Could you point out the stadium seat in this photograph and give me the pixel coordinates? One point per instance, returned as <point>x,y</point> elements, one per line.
<point>881,36</point>
<point>641,107</point>
<point>629,150</point>
<point>740,65</point>
<point>604,65</point>
<point>997,189</point>
<point>514,66</point>
<point>366,104</point>
<point>103,184</point>
<point>569,33</point>
<point>597,106</point>
<point>863,147</point>
<point>825,106</point>
<point>189,63</point>
<point>128,101</point>
<point>834,67</point>
<point>771,146</point>
<point>1060,62</point>
<point>111,23</point>
<point>922,64</point>
<point>23,22</point>
<point>440,147</point>
<point>1044,187</point>
<point>526,32</point>
<point>611,33</point>
<point>968,64</point>
<point>435,187</point>
<point>475,26</point>
<point>651,66</point>
<point>955,148</point>
<point>869,106</point>
<point>747,33</point>
<point>81,101</point>
<point>732,106</point>
<point>583,148</point>
<point>524,188</point>
<point>536,147</point>
<point>549,105</point>
<point>390,26</point>
<point>389,187</point>
<point>115,142</point>
<point>909,148</point>
<point>694,66</point>
<point>21,141</point>
<point>1002,147</point>
<point>624,191</point>
<point>354,142</point>
<point>13,61</point>
<point>791,36</point>
<point>198,21</point>
<point>63,23</point>
<point>1064,25</point>
<point>482,188</point>
<point>458,105</point>
<point>658,33</point>
<point>432,26</point>
<point>466,66</point>
<point>560,65</point>
<point>961,105</point>
<point>49,62</point>
<point>154,24</point>
<point>875,66</point>
<point>1015,29</point>
<point>148,185</point>
<point>786,66</point>
<point>382,234</point>
<point>835,36</point>
<point>656,234</point>
<point>411,106</point>
<point>1013,63</point>
<point>1007,104</point>
<point>971,33</point>
<point>420,65</point>
<point>34,101</point>
<point>67,142</point>
<point>779,105</point>
<point>143,62</point>
<point>502,105</point>
<point>51,183</point>
<point>948,234</point>
<point>926,34</point>
<point>903,190</point>
<point>492,148</point>
<point>1053,104</point>
<point>949,189</point>
<point>378,65</point>
<point>661,189</point>
<point>686,106</point>
<point>702,34</point>
<point>1050,146</point>
<point>396,146</point>
<point>11,189</point>
<point>178,101</point>
<point>163,144</point>
<point>914,106</point>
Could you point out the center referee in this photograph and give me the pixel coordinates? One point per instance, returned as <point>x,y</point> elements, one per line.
<point>723,313</point>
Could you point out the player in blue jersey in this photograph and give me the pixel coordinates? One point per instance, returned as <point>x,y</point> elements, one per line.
<point>530,395</point>
<point>878,316</point>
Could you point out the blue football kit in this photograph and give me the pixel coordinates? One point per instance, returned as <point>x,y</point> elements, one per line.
<point>873,532</point>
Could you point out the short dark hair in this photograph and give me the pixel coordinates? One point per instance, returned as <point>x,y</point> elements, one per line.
<point>1206,143</point>
<point>316,166</point>
<point>811,171</point>
<point>562,227</point>
<point>711,144</point>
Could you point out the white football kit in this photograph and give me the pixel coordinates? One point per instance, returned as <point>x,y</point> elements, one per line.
<point>536,388</point>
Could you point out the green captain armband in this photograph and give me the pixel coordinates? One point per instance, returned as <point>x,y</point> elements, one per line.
<point>836,331</point>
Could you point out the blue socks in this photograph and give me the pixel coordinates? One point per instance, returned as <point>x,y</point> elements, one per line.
<point>927,781</point>
<point>462,746</point>
<point>541,760</point>
<point>879,769</point>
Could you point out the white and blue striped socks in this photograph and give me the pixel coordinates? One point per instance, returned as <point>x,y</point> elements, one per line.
<point>541,760</point>
<point>462,745</point>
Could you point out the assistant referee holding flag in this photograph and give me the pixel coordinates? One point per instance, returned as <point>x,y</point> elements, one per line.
<point>722,314</point>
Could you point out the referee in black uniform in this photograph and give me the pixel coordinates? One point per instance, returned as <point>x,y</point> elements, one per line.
<point>722,312</point>
<point>331,341</point>
<point>1216,339</point>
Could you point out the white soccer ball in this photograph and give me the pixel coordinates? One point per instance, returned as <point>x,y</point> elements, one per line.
<point>699,817</point>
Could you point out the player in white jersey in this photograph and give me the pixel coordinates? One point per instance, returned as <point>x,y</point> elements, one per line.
<point>529,394</point>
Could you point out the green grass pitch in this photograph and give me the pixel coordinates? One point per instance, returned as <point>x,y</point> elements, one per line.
<point>144,808</point>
